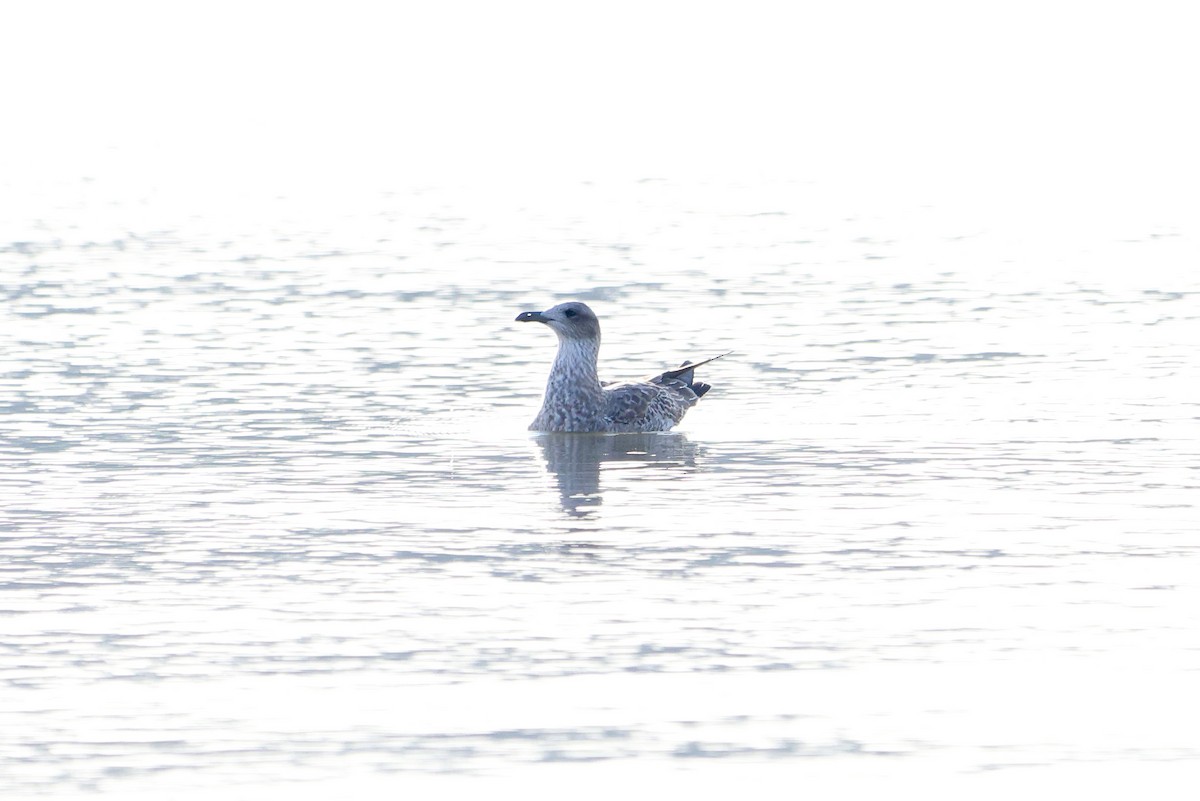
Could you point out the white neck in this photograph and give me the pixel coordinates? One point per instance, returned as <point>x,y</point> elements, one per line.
<point>574,396</point>
<point>577,358</point>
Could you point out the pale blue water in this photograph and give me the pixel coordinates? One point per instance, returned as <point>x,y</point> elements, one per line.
<point>272,522</point>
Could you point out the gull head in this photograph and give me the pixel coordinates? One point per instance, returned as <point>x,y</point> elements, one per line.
<point>572,320</point>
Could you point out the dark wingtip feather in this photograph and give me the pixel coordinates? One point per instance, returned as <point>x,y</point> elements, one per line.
<point>699,387</point>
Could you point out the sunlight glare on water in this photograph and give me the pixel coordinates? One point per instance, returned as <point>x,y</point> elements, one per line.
<point>272,523</point>
<point>237,479</point>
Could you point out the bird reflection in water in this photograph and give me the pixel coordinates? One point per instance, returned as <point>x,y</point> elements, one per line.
<point>575,459</point>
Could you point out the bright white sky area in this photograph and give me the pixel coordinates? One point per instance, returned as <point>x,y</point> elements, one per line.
<point>1058,103</point>
<point>604,84</point>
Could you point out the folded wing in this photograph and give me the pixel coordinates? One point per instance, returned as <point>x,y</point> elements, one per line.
<point>655,403</point>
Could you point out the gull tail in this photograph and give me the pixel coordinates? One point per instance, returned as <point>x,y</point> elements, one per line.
<point>686,373</point>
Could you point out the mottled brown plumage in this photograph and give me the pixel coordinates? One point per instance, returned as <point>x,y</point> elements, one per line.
<point>576,399</point>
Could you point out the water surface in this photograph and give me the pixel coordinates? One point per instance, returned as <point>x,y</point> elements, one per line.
<point>272,521</point>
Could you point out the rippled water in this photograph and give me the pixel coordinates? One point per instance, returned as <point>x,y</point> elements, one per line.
<point>272,522</point>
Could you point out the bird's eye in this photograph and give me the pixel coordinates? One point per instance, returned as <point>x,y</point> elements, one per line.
<point>570,313</point>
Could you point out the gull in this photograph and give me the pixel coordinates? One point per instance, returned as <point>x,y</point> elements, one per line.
<point>576,399</point>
